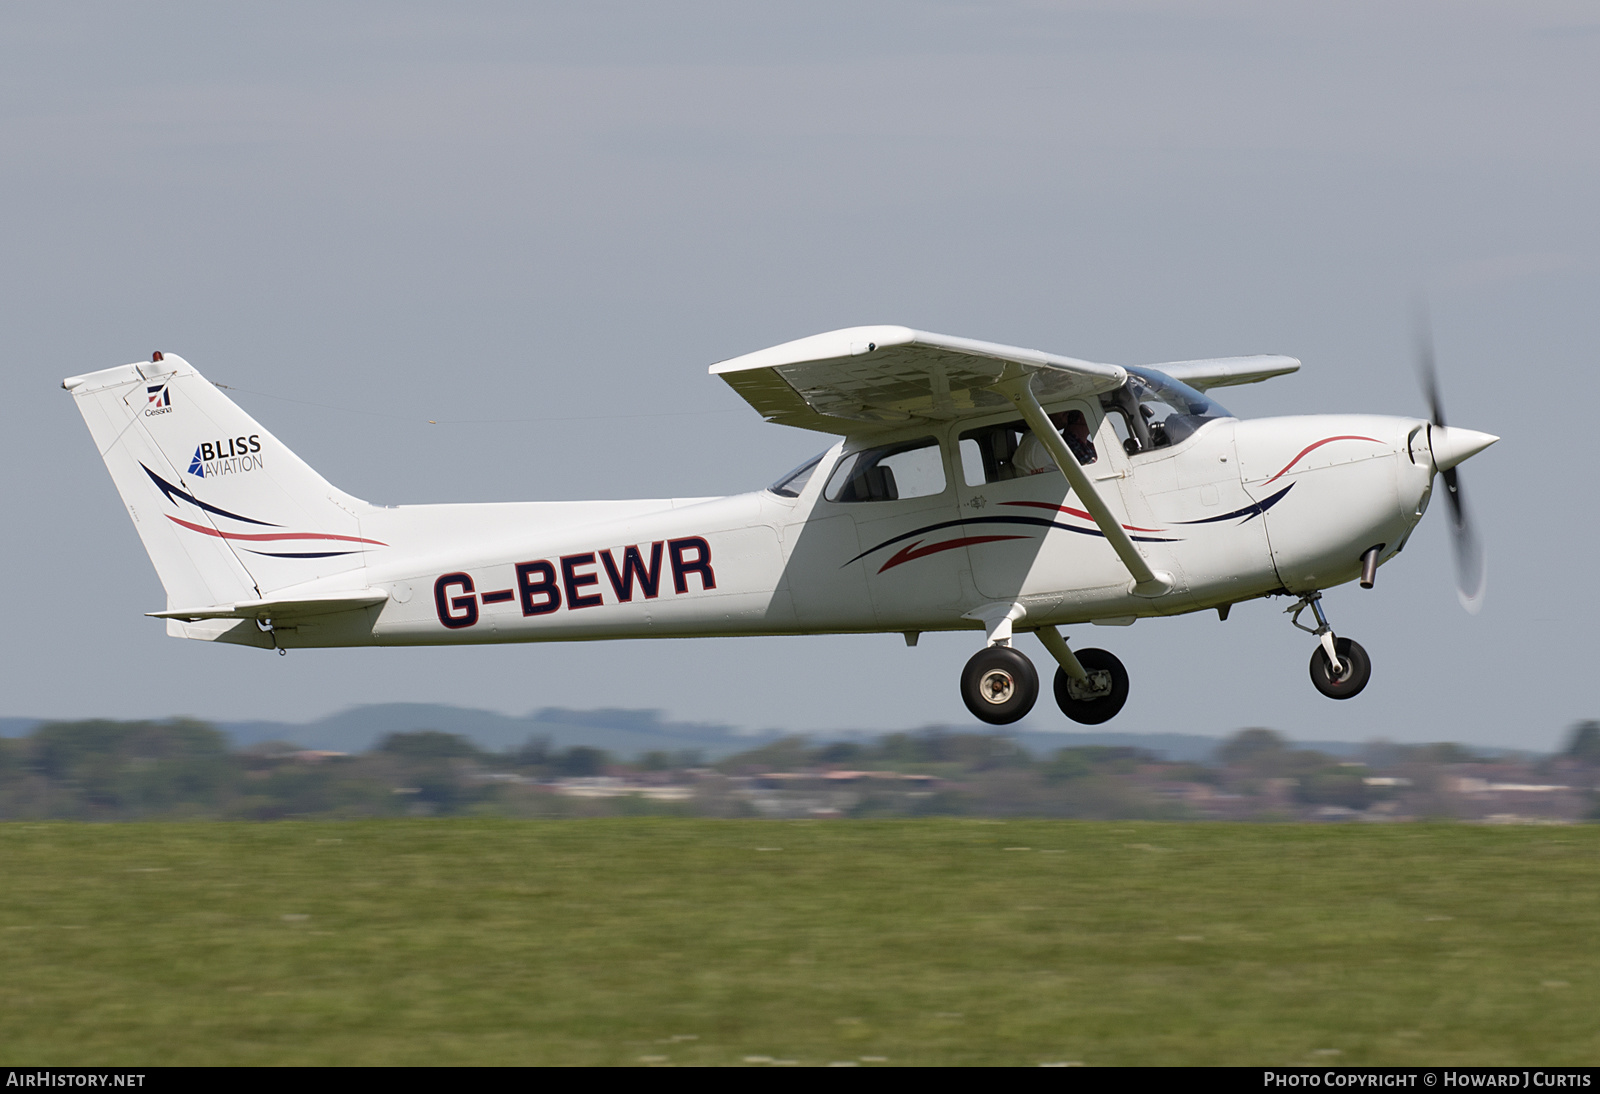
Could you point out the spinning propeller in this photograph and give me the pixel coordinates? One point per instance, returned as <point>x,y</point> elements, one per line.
<point>1450,447</point>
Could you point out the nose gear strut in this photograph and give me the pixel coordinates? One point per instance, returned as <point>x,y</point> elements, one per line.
<point>1340,668</point>
<point>1321,630</point>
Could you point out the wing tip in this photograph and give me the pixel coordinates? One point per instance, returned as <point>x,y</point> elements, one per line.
<point>844,342</point>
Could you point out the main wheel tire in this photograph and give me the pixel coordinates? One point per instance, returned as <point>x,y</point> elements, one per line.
<point>1091,712</point>
<point>1348,684</point>
<point>999,685</point>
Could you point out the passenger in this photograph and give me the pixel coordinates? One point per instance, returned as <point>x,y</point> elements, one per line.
<point>1032,458</point>
<point>1076,435</point>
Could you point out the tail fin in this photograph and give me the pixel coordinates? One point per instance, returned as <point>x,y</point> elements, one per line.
<point>226,512</point>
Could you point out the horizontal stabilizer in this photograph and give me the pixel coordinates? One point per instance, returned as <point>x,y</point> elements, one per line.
<point>1227,371</point>
<point>296,608</point>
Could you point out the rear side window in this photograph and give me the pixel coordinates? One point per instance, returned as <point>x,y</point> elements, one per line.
<point>893,472</point>
<point>795,481</point>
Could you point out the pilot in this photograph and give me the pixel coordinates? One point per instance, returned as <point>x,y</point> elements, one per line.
<point>1158,430</point>
<point>1032,458</point>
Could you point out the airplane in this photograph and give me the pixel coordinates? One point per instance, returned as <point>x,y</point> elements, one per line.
<point>971,486</point>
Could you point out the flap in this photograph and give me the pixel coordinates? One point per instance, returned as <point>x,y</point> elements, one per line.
<point>864,378</point>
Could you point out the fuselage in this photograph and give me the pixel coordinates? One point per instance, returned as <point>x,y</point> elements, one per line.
<point>1233,510</point>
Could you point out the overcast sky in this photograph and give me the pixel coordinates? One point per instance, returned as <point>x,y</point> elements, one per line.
<point>538,224</point>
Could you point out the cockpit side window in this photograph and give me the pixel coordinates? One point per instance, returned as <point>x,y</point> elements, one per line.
<point>1009,450</point>
<point>1153,411</point>
<point>891,472</point>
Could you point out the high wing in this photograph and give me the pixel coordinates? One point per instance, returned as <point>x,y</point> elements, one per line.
<point>1227,371</point>
<point>858,379</point>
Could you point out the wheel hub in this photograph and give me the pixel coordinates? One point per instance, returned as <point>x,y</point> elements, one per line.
<point>1098,686</point>
<point>997,686</point>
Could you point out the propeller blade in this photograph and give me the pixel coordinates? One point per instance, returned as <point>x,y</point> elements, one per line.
<point>1472,568</point>
<point>1427,373</point>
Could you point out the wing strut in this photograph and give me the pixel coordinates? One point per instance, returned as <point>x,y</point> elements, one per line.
<point>1146,582</point>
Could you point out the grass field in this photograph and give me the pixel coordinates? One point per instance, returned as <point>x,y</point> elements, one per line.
<point>727,942</point>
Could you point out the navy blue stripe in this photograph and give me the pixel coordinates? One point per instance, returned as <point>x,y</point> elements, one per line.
<point>302,554</point>
<point>1036,522</point>
<point>168,489</point>
<point>1249,512</point>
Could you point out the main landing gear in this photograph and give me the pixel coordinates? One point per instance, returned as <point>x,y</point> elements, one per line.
<point>1000,684</point>
<point>1099,696</point>
<point>1340,668</point>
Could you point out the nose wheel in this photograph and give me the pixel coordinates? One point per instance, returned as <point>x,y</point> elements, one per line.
<point>1355,669</point>
<point>999,685</point>
<point>1340,668</point>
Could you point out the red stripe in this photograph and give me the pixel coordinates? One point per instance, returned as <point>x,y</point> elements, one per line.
<point>908,554</point>
<point>1311,447</point>
<point>270,536</point>
<point>1076,513</point>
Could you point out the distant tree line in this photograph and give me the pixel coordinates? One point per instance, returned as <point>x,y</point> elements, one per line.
<point>174,769</point>
<point>107,770</point>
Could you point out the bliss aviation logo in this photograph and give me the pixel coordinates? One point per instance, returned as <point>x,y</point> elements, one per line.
<point>230,457</point>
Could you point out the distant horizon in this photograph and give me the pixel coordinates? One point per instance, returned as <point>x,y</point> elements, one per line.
<point>658,721</point>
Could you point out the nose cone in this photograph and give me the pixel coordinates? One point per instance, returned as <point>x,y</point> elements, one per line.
<point>1453,444</point>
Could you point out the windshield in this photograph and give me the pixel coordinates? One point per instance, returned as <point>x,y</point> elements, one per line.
<point>1152,410</point>
<point>795,481</point>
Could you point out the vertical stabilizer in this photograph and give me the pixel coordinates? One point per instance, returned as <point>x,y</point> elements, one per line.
<point>226,512</point>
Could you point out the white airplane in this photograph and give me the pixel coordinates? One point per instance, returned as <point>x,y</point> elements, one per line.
<point>974,486</point>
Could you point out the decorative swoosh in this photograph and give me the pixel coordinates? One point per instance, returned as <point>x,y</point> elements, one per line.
<point>266,537</point>
<point>1076,513</point>
<point>302,554</point>
<point>916,550</point>
<point>1313,447</point>
<point>169,489</point>
<point>1249,512</point>
<point>1032,522</point>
